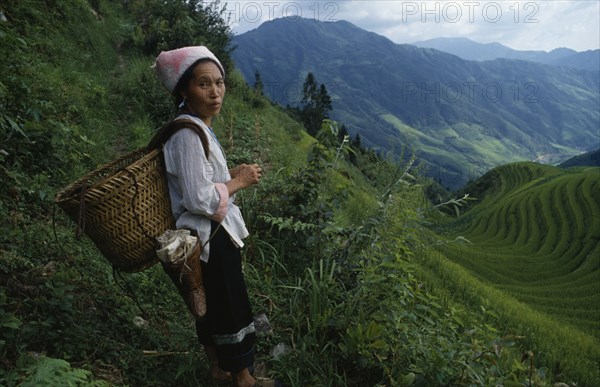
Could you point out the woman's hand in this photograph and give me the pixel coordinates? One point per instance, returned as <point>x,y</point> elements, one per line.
<point>243,176</point>
<point>235,171</point>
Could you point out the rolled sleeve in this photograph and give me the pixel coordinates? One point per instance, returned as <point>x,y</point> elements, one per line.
<point>219,215</point>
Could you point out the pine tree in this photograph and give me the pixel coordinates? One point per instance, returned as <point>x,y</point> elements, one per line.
<point>343,132</point>
<point>356,143</point>
<point>317,104</point>
<point>258,83</point>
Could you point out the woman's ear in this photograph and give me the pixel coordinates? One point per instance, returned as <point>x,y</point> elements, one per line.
<point>183,93</point>
<point>183,98</point>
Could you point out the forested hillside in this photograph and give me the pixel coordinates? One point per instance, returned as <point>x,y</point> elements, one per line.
<point>341,253</point>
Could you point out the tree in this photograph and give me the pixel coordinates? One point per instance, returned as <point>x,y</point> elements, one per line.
<point>343,132</point>
<point>356,143</point>
<point>317,104</point>
<point>258,83</point>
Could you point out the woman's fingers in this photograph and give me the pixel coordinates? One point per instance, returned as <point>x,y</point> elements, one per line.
<point>250,174</point>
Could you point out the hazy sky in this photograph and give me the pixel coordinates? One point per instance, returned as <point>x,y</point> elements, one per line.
<point>522,25</point>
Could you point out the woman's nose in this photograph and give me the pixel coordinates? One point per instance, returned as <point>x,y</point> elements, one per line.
<point>215,91</point>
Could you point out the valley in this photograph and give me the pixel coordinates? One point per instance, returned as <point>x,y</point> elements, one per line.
<point>459,117</point>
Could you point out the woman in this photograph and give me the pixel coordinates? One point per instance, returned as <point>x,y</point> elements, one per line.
<point>202,191</point>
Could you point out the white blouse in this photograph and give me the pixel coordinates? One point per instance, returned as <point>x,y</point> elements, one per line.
<point>197,186</point>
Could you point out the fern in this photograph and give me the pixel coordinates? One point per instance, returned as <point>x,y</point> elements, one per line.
<point>48,371</point>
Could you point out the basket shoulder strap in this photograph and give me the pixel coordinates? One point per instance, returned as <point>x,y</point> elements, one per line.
<point>173,127</point>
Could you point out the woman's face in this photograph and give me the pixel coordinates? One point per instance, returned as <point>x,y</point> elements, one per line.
<point>205,91</point>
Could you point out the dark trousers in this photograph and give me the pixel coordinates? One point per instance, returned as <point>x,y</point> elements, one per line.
<point>228,324</point>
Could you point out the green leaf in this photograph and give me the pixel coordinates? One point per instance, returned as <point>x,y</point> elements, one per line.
<point>8,320</point>
<point>379,344</point>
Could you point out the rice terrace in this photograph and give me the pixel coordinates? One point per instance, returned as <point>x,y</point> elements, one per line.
<point>531,247</point>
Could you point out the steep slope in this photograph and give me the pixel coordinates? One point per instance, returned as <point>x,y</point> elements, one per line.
<point>530,250</point>
<point>461,117</point>
<point>535,235</point>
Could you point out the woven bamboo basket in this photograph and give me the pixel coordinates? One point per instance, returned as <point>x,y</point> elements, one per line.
<point>122,207</point>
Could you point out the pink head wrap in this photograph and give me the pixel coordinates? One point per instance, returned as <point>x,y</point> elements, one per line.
<point>171,65</point>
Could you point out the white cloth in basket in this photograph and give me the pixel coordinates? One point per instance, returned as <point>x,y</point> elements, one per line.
<point>176,245</point>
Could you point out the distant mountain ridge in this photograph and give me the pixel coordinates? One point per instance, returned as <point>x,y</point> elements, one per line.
<point>460,117</point>
<point>468,49</point>
<point>588,159</point>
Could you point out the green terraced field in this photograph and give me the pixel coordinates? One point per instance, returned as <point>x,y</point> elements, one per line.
<point>535,235</point>
<point>532,253</point>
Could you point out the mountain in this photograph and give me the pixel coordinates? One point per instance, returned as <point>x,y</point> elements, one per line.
<point>468,49</point>
<point>588,159</point>
<point>589,60</point>
<point>460,117</point>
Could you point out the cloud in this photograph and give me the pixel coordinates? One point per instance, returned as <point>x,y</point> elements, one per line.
<point>520,24</point>
<point>525,25</point>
